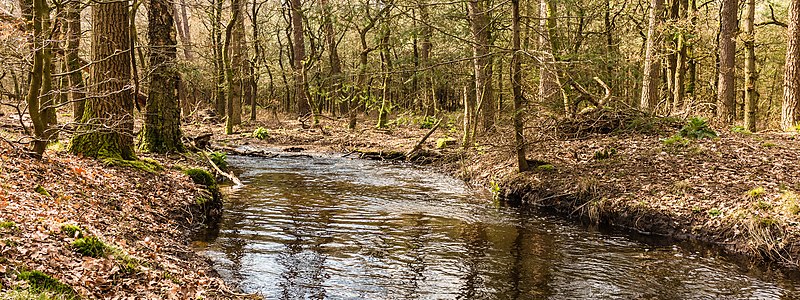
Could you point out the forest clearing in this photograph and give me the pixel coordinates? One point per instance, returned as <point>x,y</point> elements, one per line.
<point>384,149</point>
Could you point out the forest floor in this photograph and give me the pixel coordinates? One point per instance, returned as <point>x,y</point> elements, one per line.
<point>738,190</point>
<point>79,228</point>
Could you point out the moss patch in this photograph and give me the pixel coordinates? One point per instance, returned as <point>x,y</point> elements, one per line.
<point>41,190</point>
<point>144,164</point>
<point>72,230</point>
<point>8,225</point>
<point>39,282</point>
<point>90,246</point>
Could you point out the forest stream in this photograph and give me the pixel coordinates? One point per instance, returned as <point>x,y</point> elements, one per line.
<point>334,228</point>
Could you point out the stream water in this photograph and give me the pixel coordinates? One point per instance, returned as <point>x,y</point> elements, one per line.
<point>335,228</point>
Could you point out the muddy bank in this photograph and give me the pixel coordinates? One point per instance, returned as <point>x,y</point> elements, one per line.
<point>737,190</point>
<point>79,228</point>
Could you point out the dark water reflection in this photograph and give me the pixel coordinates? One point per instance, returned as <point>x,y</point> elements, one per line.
<point>332,228</point>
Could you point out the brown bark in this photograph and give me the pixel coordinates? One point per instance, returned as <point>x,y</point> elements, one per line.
<point>301,95</point>
<point>238,53</point>
<point>481,64</point>
<point>219,65</point>
<point>73,20</point>
<point>161,132</point>
<point>109,113</point>
<point>652,64</point>
<point>516,88</point>
<point>750,76</point>
<point>791,75</point>
<point>549,91</point>
<point>726,93</point>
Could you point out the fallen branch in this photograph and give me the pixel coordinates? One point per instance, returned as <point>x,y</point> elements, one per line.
<point>424,138</point>
<point>236,181</point>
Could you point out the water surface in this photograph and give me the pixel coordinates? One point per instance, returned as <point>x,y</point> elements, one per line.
<point>335,228</point>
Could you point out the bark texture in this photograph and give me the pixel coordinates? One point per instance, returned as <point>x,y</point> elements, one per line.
<point>652,61</point>
<point>161,132</point>
<point>108,118</point>
<point>726,88</point>
<point>791,75</point>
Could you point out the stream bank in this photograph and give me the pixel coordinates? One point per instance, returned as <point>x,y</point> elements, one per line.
<point>737,191</point>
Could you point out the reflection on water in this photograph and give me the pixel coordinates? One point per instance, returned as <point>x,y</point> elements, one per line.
<point>332,228</point>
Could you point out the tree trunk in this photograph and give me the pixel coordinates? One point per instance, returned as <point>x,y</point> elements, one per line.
<point>549,91</point>
<point>219,64</point>
<point>301,97</point>
<point>383,112</point>
<point>48,104</point>
<point>791,75</point>
<point>652,63</point>
<point>750,76</point>
<point>33,12</point>
<point>73,19</point>
<point>109,113</point>
<point>479,27</point>
<point>161,132</point>
<point>726,95</point>
<point>238,61</point>
<point>424,59</point>
<point>229,74</point>
<point>333,59</point>
<point>182,24</point>
<point>516,88</point>
<point>679,76</point>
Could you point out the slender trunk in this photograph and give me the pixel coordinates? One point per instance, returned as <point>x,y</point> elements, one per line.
<point>726,95</point>
<point>73,19</point>
<point>229,74</point>
<point>652,63</point>
<point>791,75</point>
<point>516,88</point>
<point>333,58</point>
<point>219,64</point>
<point>301,97</point>
<point>750,76</point>
<point>387,68</point>
<point>679,76</point>
<point>46,97</point>
<point>424,59</point>
<point>33,12</point>
<point>549,91</point>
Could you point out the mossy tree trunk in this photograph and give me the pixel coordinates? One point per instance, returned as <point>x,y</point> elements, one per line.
<point>107,129</point>
<point>162,125</point>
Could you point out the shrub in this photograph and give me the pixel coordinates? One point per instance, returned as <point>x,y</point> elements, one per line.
<point>90,246</point>
<point>220,159</point>
<point>605,154</point>
<point>428,122</point>
<point>697,128</point>
<point>261,133</point>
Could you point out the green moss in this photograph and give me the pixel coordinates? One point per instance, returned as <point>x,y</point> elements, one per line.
<point>144,164</point>
<point>740,130</point>
<point>201,177</point>
<point>768,145</point>
<point>39,282</point>
<point>676,141</point>
<point>546,168</point>
<point>72,230</point>
<point>56,146</point>
<point>41,190</point>
<point>756,193</point>
<point>445,142</point>
<point>714,212</point>
<point>10,225</point>
<point>90,246</point>
<point>126,262</point>
<point>762,205</point>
